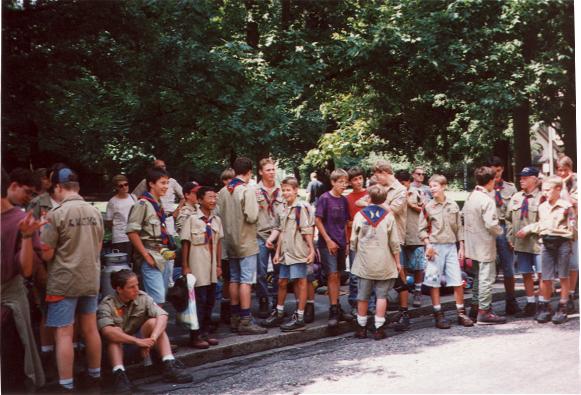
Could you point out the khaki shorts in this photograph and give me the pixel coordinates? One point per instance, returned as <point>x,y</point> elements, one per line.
<point>381,287</point>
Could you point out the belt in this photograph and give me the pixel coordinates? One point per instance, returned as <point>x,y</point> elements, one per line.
<point>152,246</point>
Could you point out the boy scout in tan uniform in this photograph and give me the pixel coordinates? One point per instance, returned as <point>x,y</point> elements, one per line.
<point>481,228</point>
<point>523,210</point>
<point>72,241</point>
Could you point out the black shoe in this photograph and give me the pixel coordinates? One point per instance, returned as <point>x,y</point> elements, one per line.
<point>360,331</point>
<point>172,374</point>
<point>89,384</point>
<point>544,313</point>
<point>571,309</point>
<point>275,319</point>
<point>560,316</point>
<point>530,310</point>
<point>294,325</point>
<point>121,383</point>
<point>263,308</point>
<point>403,324</point>
<point>333,316</point>
<point>309,313</point>
<point>512,306</point>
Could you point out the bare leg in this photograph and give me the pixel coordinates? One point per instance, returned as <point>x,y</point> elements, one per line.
<point>459,294</point>
<point>333,280</point>
<point>245,296</point>
<point>435,295</point>
<point>282,286</point>
<point>300,287</point>
<point>234,293</point>
<point>88,325</point>
<point>65,355</point>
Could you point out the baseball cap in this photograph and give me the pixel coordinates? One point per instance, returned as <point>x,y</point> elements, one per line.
<point>529,171</point>
<point>64,175</point>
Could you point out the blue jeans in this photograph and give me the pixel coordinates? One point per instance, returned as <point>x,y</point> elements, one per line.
<point>505,254</point>
<point>262,271</point>
<point>155,282</point>
<point>354,285</point>
<point>205,299</point>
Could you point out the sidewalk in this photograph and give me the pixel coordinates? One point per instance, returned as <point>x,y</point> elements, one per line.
<point>233,345</point>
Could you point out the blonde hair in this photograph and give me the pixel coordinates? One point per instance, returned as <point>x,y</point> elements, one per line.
<point>383,166</point>
<point>119,177</point>
<point>265,161</point>
<point>338,173</point>
<point>440,179</point>
<point>553,181</point>
<point>565,161</point>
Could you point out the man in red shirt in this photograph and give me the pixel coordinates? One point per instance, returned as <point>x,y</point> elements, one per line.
<point>357,181</point>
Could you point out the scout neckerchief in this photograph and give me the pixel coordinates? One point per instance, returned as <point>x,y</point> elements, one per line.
<point>374,214</point>
<point>524,208</point>
<point>233,184</point>
<point>166,239</point>
<point>270,203</point>
<point>498,186</point>
<point>208,236</point>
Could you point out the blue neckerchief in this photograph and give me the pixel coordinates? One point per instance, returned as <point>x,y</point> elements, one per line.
<point>235,182</point>
<point>374,214</point>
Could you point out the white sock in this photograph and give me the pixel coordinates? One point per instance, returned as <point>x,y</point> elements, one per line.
<point>310,301</point>
<point>362,320</point>
<point>118,367</point>
<point>301,314</point>
<point>437,307</point>
<point>572,292</point>
<point>563,301</point>
<point>47,348</point>
<point>459,306</point>
<point>379,321</point>
<point>418,287</point>
<point>169,357</point>
<point>280,309</point>
<point>541,298</point>
<point>530,299</point>
<point>94,372</point>
<point>67,383</point>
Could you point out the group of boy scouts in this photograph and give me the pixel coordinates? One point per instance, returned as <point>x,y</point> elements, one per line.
<point>396,227</point>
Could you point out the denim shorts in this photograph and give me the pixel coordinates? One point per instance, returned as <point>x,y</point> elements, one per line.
<point>414,258</point>
<point>62,313</point>
<point>294,271</point>
<point>574,262</point>
<point>444,267</point>
<point>527,263</point>
<point>155,282</point>
<point>333,263</point>
<point>243,270</point>
<point>556,261</point>
<point>366,286</point>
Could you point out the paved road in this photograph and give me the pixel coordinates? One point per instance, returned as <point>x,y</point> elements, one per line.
<point>519,357</point>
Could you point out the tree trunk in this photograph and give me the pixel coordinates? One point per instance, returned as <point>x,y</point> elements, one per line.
<point>522,139</point>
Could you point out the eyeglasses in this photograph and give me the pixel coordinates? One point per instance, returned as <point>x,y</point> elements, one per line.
<point>123,185</point>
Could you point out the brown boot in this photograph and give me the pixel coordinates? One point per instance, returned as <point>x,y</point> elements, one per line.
<point>247,327</point>
<point>234,323</point>
<point>440,320</point>
<point>197,342</point>
<point>473,312</point>
<point>209,339</point>
<point>463,319</point>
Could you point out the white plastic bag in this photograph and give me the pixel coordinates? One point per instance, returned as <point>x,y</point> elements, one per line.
<point>188,318</point>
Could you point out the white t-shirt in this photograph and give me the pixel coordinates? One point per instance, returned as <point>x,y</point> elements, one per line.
<point>118,212</point>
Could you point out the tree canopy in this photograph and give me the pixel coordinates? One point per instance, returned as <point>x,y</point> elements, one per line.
<point>107,86</point>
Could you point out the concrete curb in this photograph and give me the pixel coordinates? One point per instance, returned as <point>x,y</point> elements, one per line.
<point>259,343</point>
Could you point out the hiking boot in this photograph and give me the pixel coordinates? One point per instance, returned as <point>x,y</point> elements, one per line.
<point>263,308</point>
<point>309,313</point>
<point>511,306</point>
<point>345,316</point>
<point>571,309</point>
<point>560,316</point>
<point>197,342</point>
<point>379,333</point>
<point>247,327</point>
<point>441,321</point>
<point>210,340</point>
<point>294,325</point>
<point>403,324</point>
<point>544,313</point>
<point>333,316</point>
<point>417,299</point>
<point>89,384</point>
<point>530,310</point>
<point>121,383</point>
<point>473,315</point>
<point>225,312</point>
<point>234,323</point>
<point>487,317</point>
<point>275,319</point>
<point>463,319</point>
<point>171,373</point>
<point>360,331</point>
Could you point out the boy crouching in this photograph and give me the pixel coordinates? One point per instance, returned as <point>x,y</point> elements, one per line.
<point>294,251</point>
<point>374,233</point>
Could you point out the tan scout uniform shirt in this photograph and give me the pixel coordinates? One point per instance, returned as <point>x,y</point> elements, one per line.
<point>445,222</point>
<point>75,231</point>
<point>413,219</point>
<point>239,214</point>
<point>481,226</point>
<point>375,248</point>
<point>41,205</point>
<point>267,219</point>
<point>185,212</point>
<point>131,316</point>
<point>398,205</point>
<point>506,193</point>
<point>144,220</point>
<point>530,243</point>
<point>557,220</point>
<point>203,256</point>
<point>294,248</point>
